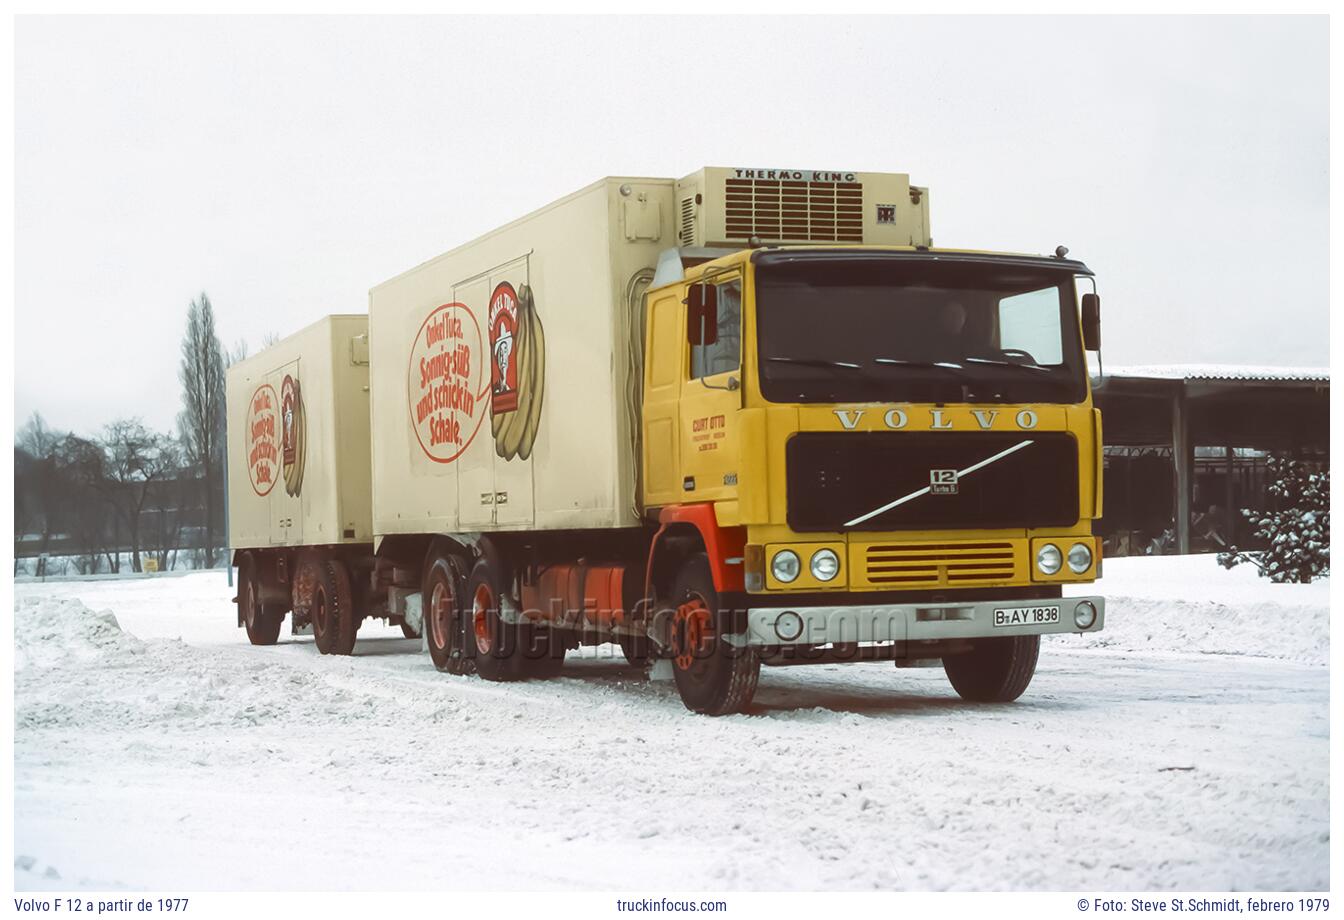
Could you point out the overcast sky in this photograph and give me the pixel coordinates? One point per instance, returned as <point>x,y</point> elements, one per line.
<point>286,165</point>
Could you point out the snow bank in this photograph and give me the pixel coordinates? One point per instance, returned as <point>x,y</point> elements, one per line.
<point>54,632</point>
<point>1190,604</point>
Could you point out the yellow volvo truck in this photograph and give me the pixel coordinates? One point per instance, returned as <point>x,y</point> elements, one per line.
<point>747,417</point>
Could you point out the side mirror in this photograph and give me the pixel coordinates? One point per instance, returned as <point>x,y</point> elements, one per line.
<point>1091,322</point>
<point>702,314</point>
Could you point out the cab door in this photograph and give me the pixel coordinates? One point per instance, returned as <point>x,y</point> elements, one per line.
<point>664,368</point>
<point>711,389</point>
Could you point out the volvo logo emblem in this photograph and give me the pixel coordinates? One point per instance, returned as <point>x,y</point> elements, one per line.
<point>937,419</point>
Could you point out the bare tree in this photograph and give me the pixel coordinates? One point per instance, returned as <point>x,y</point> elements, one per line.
<point>91,510</point>
<point>201,420</point>
<point>136,461</point>
<point>37,482</point>
<point>235,354</point>
<point>269,339</point>
<point>165,504</point>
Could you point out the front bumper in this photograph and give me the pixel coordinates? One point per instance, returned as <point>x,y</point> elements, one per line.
<point>916,622</point>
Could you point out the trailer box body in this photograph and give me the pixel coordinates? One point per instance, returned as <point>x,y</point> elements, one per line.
<point>298,439</point>
<point>506,373</point>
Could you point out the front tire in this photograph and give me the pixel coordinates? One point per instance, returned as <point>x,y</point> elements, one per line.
<point>995,670</point>
<point>713,676</point>
<point>335,621</point>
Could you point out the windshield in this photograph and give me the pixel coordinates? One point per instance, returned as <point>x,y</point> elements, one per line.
<point>869,328</point>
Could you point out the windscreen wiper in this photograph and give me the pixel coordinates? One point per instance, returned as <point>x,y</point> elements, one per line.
<point>997,363</point>
<point>816,362</point>
<point>901,362</point>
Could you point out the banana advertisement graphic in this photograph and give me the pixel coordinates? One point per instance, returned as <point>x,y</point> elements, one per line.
<point>294,435</point>
<point>518,376</point>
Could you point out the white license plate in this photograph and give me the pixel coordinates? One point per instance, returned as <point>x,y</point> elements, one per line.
<point>1025,616</point>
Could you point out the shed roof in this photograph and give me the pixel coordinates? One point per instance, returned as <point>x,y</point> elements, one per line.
<point>1246,372</point>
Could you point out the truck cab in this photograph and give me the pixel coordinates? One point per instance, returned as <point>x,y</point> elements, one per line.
<point>896,447</point>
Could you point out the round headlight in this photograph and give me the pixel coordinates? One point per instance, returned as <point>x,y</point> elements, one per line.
<point>1048,559</point>
<point>1084,615</point>
<point>1080,558</point>
<point>825,565</point>
<point>785,566</point>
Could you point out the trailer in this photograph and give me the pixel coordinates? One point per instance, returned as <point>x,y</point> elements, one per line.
<point>747,417</point>
<point>300,522</point>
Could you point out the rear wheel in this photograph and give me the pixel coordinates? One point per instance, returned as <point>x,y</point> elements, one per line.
<point>335,621</point>
<point>494,643</point>
<point>263,626</point>
<point>994,670</point>
<point>713,676</point>
<point>441,606</point>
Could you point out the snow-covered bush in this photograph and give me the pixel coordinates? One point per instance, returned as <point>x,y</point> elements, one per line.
<point>1298,534</point>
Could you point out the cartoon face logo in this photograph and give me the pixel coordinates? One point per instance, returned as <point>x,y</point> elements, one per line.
<point>503,352</point>
<point>293,437</point>
<point>503,324</point>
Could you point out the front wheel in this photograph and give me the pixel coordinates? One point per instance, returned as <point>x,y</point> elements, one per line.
<point>994,670</point>
<point>714,676</point>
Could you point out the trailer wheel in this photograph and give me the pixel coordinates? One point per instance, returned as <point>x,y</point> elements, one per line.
<point>335,621</point>
<point>713,676</point>
<point>494,642</point>
<point>263,628</point>
<point>441,593</point>
<point>994,670</point>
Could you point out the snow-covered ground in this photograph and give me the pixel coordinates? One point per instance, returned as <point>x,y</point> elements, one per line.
<point>1186,747</point>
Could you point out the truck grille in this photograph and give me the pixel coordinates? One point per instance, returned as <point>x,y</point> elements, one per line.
<point>917,565</point>
<point>837,481</point>
<point>778,210</point>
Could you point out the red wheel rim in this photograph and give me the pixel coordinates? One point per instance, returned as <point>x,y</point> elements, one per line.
<point>249,603</point>
<point>481,605</point>
<point>440,614</point>
<point>691,632</point>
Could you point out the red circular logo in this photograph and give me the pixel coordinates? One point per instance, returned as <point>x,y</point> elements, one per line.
<point>447,382</point>
<point>263,443</point>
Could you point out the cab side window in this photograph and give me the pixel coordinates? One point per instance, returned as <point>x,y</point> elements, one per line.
<point>725,352</point>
